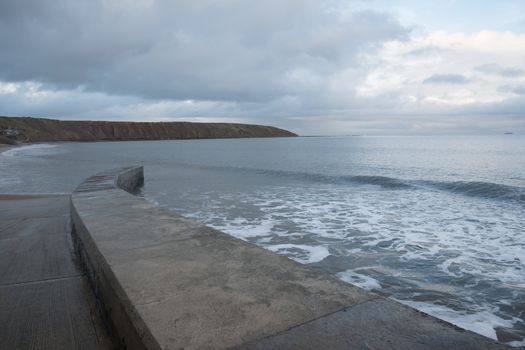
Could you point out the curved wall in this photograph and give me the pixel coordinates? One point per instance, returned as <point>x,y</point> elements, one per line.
<point>118,312</point>
<point>165,282</point>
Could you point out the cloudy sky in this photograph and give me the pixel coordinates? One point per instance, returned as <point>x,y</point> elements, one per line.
<point>311,66</point>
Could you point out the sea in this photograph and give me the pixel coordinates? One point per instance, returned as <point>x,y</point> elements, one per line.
<point>435,222</point>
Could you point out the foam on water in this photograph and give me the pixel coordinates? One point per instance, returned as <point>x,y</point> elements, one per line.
<point>29,150</point>
<point>12,178</point>
<point>482,322</point>
<point>363,281</point>
<point>244,229</point>
<point>299,252</point>
<point>436,246</point>
<point>436,221</point>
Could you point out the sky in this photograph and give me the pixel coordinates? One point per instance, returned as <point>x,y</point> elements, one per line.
<point>372,67</point>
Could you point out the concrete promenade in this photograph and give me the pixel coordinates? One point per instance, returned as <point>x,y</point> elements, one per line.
<point>45,300</point>
<point>166,282</point>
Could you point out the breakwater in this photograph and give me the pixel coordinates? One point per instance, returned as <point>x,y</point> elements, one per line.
<point>165,282</point>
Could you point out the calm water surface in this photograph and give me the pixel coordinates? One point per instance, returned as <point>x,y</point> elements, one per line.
<point>437,223</point>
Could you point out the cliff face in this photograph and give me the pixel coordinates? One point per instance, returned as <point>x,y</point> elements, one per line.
<point>25,129</point>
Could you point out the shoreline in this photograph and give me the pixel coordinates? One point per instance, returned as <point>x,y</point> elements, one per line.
<point>43,129</point>
<point>4,147</point>
<point>22,151</point>
<point>292,297</point>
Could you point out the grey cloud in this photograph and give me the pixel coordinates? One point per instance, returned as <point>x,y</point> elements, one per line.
<point>293,64</point>
<point>502,116</point>
<point>496,69</point>
<point>426,51</point>
<point>68,104</point>
<point>516,89</point>
<point>206,50</point>
<point>362,118</point>
<point>446,79</point>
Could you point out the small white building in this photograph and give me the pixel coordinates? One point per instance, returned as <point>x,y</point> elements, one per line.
<point>9,131</point>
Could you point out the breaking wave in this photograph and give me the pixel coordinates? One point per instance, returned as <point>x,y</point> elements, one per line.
<point>480,189</point>
<point>468,188</point>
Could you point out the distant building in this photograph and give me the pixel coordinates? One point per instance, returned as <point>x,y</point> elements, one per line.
<point>9,131</point>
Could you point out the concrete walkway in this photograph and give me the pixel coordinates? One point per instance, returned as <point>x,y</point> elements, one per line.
<point>45,301</point>
<point>168,282</point>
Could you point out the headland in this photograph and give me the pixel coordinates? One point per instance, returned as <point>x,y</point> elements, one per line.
<point>15,130</point>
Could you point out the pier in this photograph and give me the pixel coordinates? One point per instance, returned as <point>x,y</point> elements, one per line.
<point>103,268</point>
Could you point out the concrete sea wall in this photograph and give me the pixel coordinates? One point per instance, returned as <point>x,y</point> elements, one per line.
<point>165,282</point>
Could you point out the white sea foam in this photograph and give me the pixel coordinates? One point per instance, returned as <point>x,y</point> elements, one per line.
<point>152,201</point>
<point>455,237</point>
<point>11,178</point>
<point>360,280</point>
<point>477,239</point>
<point>244,229</point>
<point>442,240</point>
<point>36,149</point>
<point>302,253</point>
<point>482,322</point>
<point>517,343</point>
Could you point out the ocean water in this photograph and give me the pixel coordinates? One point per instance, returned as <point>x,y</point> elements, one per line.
<point>437,223</point>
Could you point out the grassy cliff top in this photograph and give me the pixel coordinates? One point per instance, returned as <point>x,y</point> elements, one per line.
<point>27,129</point>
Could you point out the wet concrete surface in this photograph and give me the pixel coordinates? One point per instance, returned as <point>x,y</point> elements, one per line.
<point>45,300</point>
<point>376,324</point>
<point>182,285</point>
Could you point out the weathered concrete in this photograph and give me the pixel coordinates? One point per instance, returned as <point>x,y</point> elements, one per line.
<point>376,324</point>
<point>167,282</point>
<point>45,301</point>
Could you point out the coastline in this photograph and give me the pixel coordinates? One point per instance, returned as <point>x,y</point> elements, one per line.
<point>45,130</point>
<point>16,157</point>
<point>4,147</point>
<point>301,307</point>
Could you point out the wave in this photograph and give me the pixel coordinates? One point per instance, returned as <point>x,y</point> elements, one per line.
<point>28,149</point>
<point>383,181</point>
<point>375,180</point>
<point>480,189</point>
<point>468,188</point>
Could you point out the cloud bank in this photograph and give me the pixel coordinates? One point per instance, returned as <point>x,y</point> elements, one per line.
<point>310,66</point>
